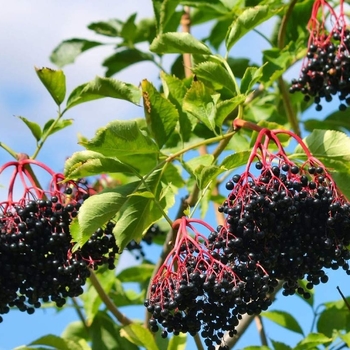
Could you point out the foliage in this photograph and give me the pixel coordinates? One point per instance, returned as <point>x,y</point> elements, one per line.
<point>184,146</point>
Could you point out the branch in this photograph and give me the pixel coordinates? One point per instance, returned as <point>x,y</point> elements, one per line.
<point>186,27</point>
<point>106,299</point>
<point>261,330</point>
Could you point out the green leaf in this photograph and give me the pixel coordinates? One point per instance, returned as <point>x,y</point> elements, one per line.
<point>345,338</point>
<point>139,213</point>
<point>284,319</point>
<point>124,59</point>
<point>175,90</point>
<point>104,87</point>
<point>109,28</point>
<point>91,299</point>
<point>208,174</point>
<point>194,164</point>
<point>140,273</point>
<point>200,102</point>
<point>276,62</point>
<point>251,76</point>
<point>54,81</point>
<point>33,127</point>
<point>164,11</point>
<point>327,143</point>
<point>340,320</point>
<point>263,347</point>
<point>234,161</point>
<point>247,20</point>
<point>59,125</point>
<point>105,334</point>
<point>69,50</point>
<point>178,43</point>
<point>75,330</point>
<point>335,121</point>
<point>88,163</point>
<point>128,30</point>
<point>98,209</point>
<point>217,75</point>
<point>280,346</point>
<point>57,343</point>
<point>312,340</point>
<point>161,114</point>
<point>225,109</point>
<point>139,335</point>
<point>123,297</point>
<point>177,342</point>
<point>239,65</point>
<point>123,139</point>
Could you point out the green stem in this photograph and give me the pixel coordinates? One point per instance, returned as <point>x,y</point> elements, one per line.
<point>80,315</point>
<point>107,301</point>
<point>292,118</point>
<point>8,150</point>
<point>263,36</point>
<point>48,133</point>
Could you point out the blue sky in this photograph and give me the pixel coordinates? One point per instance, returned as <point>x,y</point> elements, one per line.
<point>28,34</point>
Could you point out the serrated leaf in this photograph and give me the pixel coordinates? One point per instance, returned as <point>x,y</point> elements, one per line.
<point>56,342</point>
<point>327,143</point>
<point>33,127</point>
<point>239,65</point>
<point>164,11</point>
<point>200,102</point>
<point>263,347</point>
<point>88,163</point>
<point>217,75</point>
<point>67,51</point>
<point>177,342</point>
<point>109,28</point>
<point>335,121</point>
<point>123,139</point>
<point>124,59</point>
<point>208,174</point>
<point>234,161</point>
<point>140,273</point>
<point>139,213</point>
<point>178,43</point>
<point>161,114</point>
<point>104,87</point>
<point>75,330</point>
<point>123,297</point>
<point>252,75</point>
<point>98,209</point>
<point>194,164</point>
<point>48,129</point>
<point>284,319</point>
<point>139,335</point>
<point>247,20</point>
<point>54,81</point>
<point>225,108</point>
<point>312,340</point>
<point>345,338</point>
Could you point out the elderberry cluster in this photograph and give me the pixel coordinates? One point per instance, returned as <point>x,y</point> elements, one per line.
<point>291,220</point>
<point>206,292</point>
<point>36,258</point>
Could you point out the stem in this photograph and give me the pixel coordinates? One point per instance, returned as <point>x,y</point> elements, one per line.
<point>261,330</point>
<point>292,118</point>
<point>342,295</point>
<point>8,150</point>
<point>107,301</point>
<point>48,133</point>
<point>80,314</point>
<point>186,27</point>
<point>198,342</point>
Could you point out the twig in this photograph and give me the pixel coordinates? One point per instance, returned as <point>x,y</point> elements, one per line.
<point>186,27</point>
<point>342,295</point>
<point>281,84</point>
<point>107,301</point>
<point>261,330</point>
<point>80,314</point>
<point>198,342</point>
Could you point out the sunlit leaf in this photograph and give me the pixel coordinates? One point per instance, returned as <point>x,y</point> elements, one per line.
<point>312,340</point>
<point>283,319</point>
<point>52,126</point>
<point>109,28</point>
<point>54,81</point>
<point>104,87</point>
<point>139,335</point>
<point>33,127</point>
<point>139,273</point>
<point>177,342</point>
<point>178,43</point>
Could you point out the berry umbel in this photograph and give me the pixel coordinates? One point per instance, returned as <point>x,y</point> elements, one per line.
<point>325,71</point>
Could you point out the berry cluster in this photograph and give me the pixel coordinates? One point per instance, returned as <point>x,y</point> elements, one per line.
<point>36,257</point>
<point>199,289</point>
<point>326,69</point>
